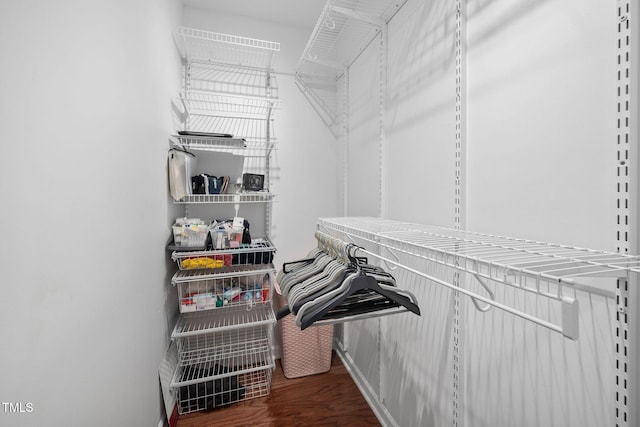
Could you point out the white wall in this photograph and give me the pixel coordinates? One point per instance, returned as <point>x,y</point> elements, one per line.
<point>85,117</point>
<point>540,164</point>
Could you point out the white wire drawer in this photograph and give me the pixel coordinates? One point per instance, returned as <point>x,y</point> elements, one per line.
<point>259,251</point>
<point>218,368</point>
<point>220,389</point>
<point>224,287</point>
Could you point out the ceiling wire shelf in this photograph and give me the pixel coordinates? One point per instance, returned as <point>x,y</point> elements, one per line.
<point>222,48</point>
<point>343,30</point>
<point>541,268</point>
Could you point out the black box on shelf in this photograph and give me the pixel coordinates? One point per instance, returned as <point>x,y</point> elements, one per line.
<point>253,182</point>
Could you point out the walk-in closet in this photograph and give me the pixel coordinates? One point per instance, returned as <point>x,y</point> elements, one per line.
<point>320,212</point>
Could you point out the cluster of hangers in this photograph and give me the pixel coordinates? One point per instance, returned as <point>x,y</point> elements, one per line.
<point>332,283</point>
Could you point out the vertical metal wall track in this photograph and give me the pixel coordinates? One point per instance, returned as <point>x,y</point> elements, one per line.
<point>267,166</point>
<point>187,123</point>
<point>345,142</point>
<point>459,216</point>
<point>626,364</point>
<point>382,90</point>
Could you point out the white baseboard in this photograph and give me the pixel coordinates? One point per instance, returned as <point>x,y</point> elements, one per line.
<point>365,388</point>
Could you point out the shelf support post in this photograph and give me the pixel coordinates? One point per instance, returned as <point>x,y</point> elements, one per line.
<point>627,336</point>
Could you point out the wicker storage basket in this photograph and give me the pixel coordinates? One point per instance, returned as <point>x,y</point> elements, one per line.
<point>305,352</point>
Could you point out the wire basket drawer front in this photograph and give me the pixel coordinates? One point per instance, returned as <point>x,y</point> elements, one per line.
<point>223,390</point>
<point>198,290</point>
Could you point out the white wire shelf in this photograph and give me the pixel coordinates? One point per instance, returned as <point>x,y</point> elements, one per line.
<point>251,129</point>
<point>234,146</point>
<point>241,349</point>
<point>541,268</point>
<point>216,321</point>
<point>248,197</point>
<point>231,80</point>
<point>494,256</point>
<point>226,105</point>
<point>222,48</point>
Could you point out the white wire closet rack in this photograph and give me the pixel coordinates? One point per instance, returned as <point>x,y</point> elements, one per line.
<point>225,48</point>
<point>523,264</point>
<point>342,32</point>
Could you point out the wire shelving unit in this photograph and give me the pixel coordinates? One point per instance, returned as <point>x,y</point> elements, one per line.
<point>222,343</point>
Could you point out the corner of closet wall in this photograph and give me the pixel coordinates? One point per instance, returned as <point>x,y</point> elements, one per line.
<point>304,165</point>
<point>420,113</point>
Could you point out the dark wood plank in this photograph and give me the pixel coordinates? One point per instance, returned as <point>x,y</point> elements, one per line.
<point>328,399</point>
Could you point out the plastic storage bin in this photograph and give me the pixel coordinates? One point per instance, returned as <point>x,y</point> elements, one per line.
<point>190,235</point>
<point>305,352</point>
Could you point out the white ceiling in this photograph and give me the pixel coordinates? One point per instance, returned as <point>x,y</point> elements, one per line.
<point>295,13</point>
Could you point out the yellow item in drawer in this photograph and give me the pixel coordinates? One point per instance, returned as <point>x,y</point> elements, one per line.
<point>204,262</point>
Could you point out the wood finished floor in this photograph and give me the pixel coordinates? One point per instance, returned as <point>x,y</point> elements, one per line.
<point>328,399</point>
